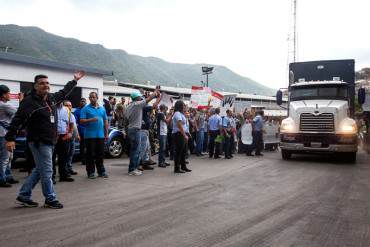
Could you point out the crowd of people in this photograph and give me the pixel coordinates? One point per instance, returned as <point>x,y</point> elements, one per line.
<point>52,129</point>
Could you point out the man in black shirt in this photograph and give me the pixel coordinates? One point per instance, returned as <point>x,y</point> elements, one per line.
<point>37,112</point>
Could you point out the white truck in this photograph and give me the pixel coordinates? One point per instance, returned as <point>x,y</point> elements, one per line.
<point>320,109</point>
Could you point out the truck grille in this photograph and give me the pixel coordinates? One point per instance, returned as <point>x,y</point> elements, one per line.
<point>317,123</point>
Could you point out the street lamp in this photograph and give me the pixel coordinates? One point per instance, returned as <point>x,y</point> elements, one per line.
<point>206,71</point>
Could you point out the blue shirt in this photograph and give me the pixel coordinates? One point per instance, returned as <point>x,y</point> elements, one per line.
<point>214,122</point>
<point>94,129</point>
<point>63,120</point>
<point>178,116</point>
<point>258,123</point>
<point>226,123</point>
<point>80,126</point>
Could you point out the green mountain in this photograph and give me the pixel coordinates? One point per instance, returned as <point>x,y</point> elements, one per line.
<point>35,42</point>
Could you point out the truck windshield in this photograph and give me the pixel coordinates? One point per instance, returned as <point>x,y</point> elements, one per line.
<point>319,92</point>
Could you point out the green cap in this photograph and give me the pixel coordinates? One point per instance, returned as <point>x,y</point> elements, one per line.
<point>135,94</point>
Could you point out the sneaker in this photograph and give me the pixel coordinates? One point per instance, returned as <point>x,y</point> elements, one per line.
<point>104,175</point>
<point>167,164</point>
<point>67,179</point>
<point>5,184</point>
<point>26,203</point>
<point>140,168</point>
<point>91,176</point>
<point>12,181</point>
<point>72,172</point>
<point>135,173</point>
<point>54,205</point>
<point>162,165</point>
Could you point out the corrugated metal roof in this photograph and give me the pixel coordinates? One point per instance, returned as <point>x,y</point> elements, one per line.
<point>16,58</point>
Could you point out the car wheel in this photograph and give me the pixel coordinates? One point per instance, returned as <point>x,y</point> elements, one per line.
<point>286,155</point>
<point>115,148</point>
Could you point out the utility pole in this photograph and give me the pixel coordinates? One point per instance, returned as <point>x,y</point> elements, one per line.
<point>295,30</point>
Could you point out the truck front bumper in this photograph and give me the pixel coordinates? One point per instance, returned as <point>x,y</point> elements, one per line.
<point>318,142</point>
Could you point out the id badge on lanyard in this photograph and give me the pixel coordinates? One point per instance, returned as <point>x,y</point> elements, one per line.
<point>52,118</point>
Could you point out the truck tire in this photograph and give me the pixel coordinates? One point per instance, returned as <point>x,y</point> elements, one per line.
<point>285,154</point>
<point>350,157</point>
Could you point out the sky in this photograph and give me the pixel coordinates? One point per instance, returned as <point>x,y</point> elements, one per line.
<point>252,38</point>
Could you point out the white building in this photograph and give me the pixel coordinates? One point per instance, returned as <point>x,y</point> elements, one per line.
<point>18,72</point>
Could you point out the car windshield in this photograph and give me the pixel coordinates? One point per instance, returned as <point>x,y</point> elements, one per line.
<point>319,92</point>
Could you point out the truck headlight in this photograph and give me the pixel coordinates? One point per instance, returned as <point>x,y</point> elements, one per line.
<point>287,125</point>
<point>348,126</point>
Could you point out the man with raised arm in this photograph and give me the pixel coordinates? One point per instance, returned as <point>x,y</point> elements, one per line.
<point>37,112</point>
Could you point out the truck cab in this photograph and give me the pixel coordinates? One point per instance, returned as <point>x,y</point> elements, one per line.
<point>320,111</point>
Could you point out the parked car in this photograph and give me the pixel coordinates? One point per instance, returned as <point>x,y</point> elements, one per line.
<point>115,146</point>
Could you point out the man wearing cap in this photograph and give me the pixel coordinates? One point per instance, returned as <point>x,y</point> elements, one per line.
<point>37,112</point>
<point>6,113</point>
<point>134,113</point>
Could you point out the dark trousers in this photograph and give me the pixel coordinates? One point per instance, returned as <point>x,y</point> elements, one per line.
<point>229,142</point>
<point>61,151</point>
<point>205,143</point>
<point>214,148</point>
<point>180,150</point>
<point>257,141</point>
<point>82,150</point>
<point>94,155</point>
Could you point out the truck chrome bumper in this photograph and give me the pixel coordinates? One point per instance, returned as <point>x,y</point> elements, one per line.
<point>330,149</point>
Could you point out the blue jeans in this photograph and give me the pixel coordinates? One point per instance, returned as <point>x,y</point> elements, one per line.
<point>43,156</point>
<point>5,173</point>
<point>134,136</point>
<point>145,146</point>
<point>162,148</point>
<point>200,141</point>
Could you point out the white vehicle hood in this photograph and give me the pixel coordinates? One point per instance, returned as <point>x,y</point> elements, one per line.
<point>322,106</point>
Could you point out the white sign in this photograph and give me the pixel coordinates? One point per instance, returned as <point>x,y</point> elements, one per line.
<point>366,105</point>
<point>227,104</point>
<point>166,100</point>
<point>246,134</point>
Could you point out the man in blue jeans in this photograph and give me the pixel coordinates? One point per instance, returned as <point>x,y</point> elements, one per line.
<point>134,113</point>
<point>37,112</point>
<point>6,113</point>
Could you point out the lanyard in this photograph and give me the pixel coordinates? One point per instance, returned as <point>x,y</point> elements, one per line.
<point>48,106</point>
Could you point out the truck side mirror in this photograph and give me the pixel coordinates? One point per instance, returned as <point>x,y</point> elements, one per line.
<point>279,97</point>
<point>361,96</point>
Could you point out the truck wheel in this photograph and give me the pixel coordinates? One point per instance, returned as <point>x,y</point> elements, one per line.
<point>285,154</point>
<point>350,157</point>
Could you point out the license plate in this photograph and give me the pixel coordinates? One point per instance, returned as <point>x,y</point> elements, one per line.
<point>316,144</point>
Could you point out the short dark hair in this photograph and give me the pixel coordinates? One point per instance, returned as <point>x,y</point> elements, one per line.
<point>179,106</point>
<point>40,77</point>
<point>162,107</point>
<point>96,94</point>
<point>82,99</point>
<point>217,111</point>
<point>4,90</point>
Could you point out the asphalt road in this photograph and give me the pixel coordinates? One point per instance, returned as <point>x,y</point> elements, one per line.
<point>309,201</point>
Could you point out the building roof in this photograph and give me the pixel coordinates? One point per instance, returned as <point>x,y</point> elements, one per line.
<point>179,90</point>
<point>16,58</point>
